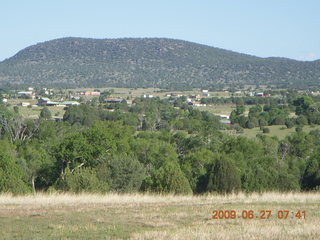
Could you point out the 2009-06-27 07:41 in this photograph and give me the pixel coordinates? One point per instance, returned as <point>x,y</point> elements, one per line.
<point>263,214</point>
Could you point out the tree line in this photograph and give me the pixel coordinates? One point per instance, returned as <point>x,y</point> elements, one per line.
<point>305,109</point>
<point>152,146</point>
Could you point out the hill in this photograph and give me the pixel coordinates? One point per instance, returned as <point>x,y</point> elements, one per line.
<point>149,62</point>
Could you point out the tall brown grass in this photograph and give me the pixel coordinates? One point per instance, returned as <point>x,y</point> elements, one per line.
<point>69,198</point>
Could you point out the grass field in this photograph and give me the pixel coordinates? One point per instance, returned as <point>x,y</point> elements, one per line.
<point>280,131</point>
<point>157,217</point>
<point>34,112</point>
<point>223,109</point>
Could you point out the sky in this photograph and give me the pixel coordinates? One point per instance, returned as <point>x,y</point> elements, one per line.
<point>264,28</point>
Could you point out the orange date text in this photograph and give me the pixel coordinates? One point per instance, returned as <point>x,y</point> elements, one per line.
<point>262,214</point>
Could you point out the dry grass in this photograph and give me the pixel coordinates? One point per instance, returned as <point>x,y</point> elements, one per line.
<point>114,198</point>
<point>137,216</point>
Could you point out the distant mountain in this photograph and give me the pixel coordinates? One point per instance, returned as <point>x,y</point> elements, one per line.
<point>149,62</point>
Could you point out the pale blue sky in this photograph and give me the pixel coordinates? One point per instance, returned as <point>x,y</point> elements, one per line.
<point>282,28</point>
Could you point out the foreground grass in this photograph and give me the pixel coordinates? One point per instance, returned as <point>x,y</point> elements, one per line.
<point>112,216</point>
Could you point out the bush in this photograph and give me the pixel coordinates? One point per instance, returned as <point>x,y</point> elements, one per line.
<point>262,123</point>
<point>223,177</point>
<point>302,120</point>
<point>265,130</point>
<point>81,180</point>
<point>278,120</point>
<point>250,124</point>
<point>168,179</point>
<point>289,122</point>
<point>45,113</point>
<point>123,173</point>
<point>11,175</point>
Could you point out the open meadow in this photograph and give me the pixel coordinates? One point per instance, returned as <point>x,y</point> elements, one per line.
<point>280,131</point>
<point>135,216</point>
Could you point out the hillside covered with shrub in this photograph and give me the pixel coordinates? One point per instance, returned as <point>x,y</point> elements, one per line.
<point>149,62</point>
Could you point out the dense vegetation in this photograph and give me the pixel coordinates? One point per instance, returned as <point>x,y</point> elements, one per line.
<point>152,146</point>
<point>287,111</point>
<point>154,62</point>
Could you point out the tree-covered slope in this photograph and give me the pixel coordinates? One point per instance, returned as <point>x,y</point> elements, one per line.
<point>148,62</point>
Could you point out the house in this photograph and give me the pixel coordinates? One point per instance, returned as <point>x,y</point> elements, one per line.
<point>224,116</point>
<point>228,122</point>
<point>25,104</point>
<point>27,93</point>
<point>43,101</point>
<point>199,105</point>
<point>48,102</point>
<point>69,103</point>
<point>75,97</point>
<point>147,96</point>
<point>95,93</point>
<point>113,100</point>
<point>58,118</point>
<point>51,104</point>
<point>89,93</point>
<point>194,96</point>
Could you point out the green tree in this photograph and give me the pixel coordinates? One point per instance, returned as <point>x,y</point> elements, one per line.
<point>36,159</point>
<point>16,109</point>
<point>262,122</point>
<point>12,178</point>
<point>289,122</point>
<point>123,173</point>
<point>311,176</point>
<point>240,109</point>
<point>195,166</point>
<point>45,113</point>
<point>81,180</point>
<point>302,104</point>
<point>83,114</point>
<point>301,120</point>
<point>261,173</point>
<point>223,176</point>
<point>168,179</point>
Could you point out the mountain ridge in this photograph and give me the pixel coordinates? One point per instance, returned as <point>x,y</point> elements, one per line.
<point>149,62</point>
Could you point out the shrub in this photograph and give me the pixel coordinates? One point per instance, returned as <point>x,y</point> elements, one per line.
<point>81,180</point>
<point>250,124</point>
<point>168,179</point>
<point>223,177</point>
<point>11,175</point>
<point>265,130</point>
<point>123,173</point>
<point>289,122</point>
<point>45,113</point>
